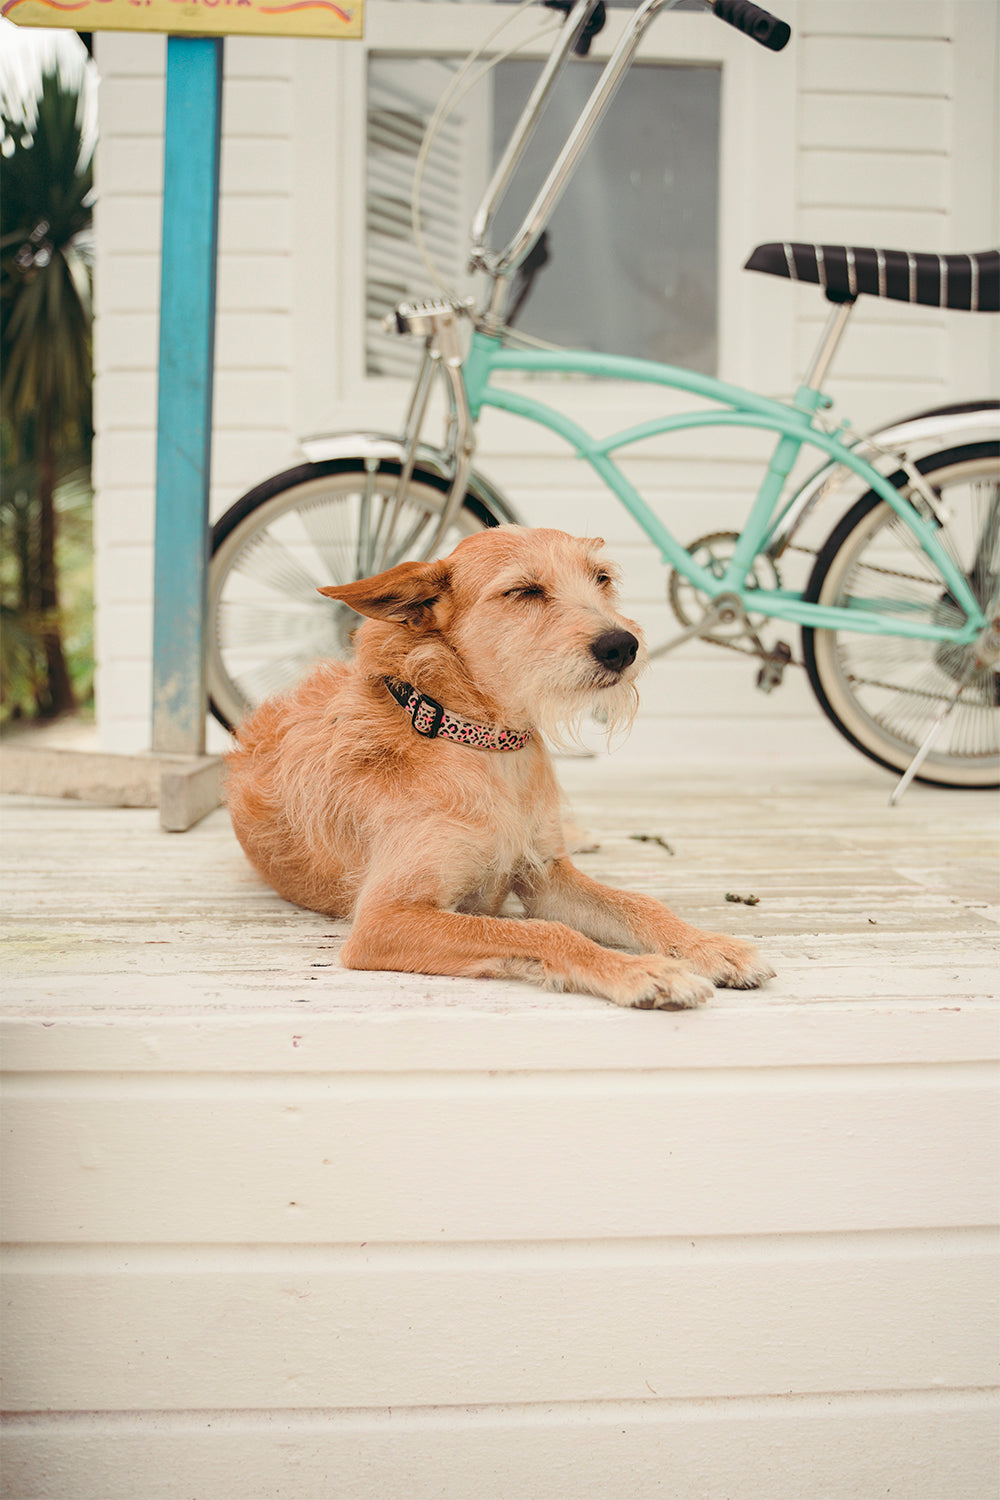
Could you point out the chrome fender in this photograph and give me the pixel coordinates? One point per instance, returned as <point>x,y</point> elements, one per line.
<point>910,439</point>
<point>379,447</point>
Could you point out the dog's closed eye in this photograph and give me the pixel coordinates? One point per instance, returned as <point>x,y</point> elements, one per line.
<point>526,590</point>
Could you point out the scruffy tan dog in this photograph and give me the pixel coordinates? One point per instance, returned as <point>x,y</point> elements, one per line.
<point>412,790</point>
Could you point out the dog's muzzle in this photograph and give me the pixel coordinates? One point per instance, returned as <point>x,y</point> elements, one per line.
<point>615,650</point>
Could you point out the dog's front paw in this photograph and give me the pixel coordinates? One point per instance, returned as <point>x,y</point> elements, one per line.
<point>728,961</point>
<point>654,983</point>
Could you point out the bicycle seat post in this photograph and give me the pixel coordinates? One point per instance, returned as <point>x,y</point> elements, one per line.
<point>832,333</point>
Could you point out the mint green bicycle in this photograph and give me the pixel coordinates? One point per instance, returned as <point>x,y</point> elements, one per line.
<point>900,615</point>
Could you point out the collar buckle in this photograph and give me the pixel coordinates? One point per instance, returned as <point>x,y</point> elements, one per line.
<point>418,712</point>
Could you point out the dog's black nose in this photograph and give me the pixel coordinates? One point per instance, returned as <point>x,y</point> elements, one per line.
<point>615,649</point>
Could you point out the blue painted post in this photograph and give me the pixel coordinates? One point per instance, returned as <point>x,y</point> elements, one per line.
<point>193,130</point>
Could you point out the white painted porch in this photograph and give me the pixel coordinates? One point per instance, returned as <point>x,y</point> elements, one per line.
<point>274,1228</point>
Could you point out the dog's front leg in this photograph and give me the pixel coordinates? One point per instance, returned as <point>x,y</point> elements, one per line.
<point>419,938</point>
<point>565,894</point>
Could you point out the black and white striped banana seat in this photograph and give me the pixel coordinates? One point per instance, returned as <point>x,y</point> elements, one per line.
<point>970,282</point>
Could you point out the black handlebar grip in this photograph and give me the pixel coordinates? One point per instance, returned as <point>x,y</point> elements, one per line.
<point>595,24</point>
<point>757,23</point>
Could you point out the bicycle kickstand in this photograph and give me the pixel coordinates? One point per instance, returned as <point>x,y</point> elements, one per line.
<point>924,748</point>
<point>985,654</point>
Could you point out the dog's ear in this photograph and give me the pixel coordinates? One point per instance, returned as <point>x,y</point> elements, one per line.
<point>407,593</point>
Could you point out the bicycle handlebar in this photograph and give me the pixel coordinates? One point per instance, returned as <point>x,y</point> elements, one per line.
<point>757,23</point>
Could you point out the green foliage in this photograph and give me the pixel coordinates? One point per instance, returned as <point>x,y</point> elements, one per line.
<point>45,218</point>
<point>23,626</point>
<point>46,186</point>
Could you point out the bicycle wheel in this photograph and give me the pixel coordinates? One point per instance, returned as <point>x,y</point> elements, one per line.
<point>884,692</point>
<point>321,523</point>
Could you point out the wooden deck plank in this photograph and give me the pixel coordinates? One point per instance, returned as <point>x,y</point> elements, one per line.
<point>857,902</point>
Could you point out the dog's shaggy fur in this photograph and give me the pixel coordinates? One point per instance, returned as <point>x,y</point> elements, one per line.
<point>344,808</point>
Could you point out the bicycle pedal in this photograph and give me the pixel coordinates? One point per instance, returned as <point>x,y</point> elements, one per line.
<point>772,673</point>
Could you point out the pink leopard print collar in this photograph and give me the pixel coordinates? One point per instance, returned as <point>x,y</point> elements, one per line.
<point>434,722</point>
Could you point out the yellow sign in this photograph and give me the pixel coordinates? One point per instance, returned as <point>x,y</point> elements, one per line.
<point>195,17</point>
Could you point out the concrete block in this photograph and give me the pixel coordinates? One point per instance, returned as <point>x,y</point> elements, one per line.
<point>184,788</point>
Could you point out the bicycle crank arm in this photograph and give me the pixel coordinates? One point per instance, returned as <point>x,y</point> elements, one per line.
<point>725,610</point>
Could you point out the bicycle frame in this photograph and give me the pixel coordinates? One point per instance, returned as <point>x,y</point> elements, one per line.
<point>469,390</point>
<point>794,426</point>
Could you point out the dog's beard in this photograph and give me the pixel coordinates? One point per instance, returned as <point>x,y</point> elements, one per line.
<point>562,709</point>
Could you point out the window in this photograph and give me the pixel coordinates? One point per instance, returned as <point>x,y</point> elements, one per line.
<point>353,203</point>
<point>402,95</point>
<point>633,244</point>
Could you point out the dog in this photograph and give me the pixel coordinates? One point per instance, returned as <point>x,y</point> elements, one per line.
<point>412,791</point>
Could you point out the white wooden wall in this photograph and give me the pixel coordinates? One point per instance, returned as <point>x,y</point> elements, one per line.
<point>878,125</point>
<point>254,421</point>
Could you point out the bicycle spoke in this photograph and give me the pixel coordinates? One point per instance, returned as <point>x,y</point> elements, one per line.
<point>383,514</point>
<point>408,545</point>
<point>244,625</point>
<point>986,557</point>
<point>271,676</point>
<point>364,553</point>
<point>269,562</point>
<point>326,522</point>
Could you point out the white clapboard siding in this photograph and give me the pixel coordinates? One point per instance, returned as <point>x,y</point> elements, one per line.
<point>349,1243</point>
<point>891,180</point>
<point>887,105</point>
<point>345,1161</point>
<point>916,125</point>
<point>889,18</point>
<point>697,1448</point>
<point>891,66</point>
<point>363,1331</point>
<point>129,169</point>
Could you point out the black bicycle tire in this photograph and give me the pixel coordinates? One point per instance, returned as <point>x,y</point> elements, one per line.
<point>929,464</point>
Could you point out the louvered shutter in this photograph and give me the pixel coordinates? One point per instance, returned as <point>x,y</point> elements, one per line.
<point>402,95</point>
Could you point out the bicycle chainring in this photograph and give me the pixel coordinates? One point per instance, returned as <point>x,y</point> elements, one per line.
<point>714,552</point>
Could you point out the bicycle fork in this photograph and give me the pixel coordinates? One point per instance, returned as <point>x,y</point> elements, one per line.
<point>437,324</point>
